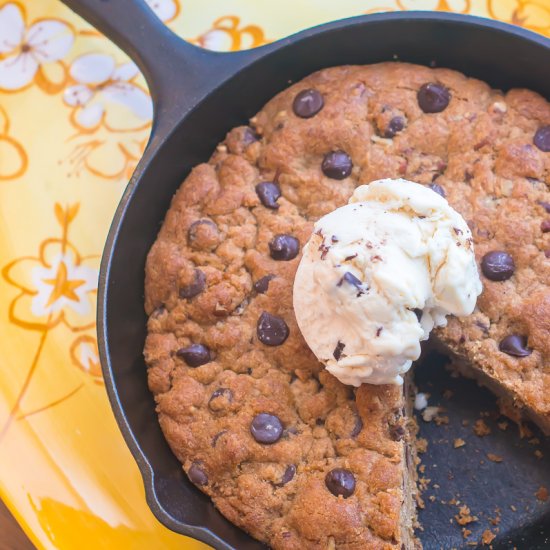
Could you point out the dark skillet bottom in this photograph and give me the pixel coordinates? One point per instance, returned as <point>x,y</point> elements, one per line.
<point>465,474</point>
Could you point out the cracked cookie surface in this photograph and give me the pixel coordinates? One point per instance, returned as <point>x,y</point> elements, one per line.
<point>286,451</point>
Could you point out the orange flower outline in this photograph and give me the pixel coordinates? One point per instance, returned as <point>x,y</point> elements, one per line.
<point>63,288</point>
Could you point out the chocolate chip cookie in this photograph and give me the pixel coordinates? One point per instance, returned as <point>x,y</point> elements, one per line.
<point>284,450</point>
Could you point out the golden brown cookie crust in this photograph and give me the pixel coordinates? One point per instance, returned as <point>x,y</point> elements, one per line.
<point>215,245</point>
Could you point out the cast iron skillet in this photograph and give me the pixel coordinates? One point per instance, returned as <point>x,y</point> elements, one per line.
<point>199,96</point>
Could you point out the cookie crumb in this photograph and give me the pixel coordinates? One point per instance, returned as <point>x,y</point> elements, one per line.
<point>441,420</point>
<point>494,458</point>
<point>466,532</point>
<point>459,443</point>
<point>480,428</point>
<point>538,454</point>
<point>421,445</point>
<point>464,516</point>
<point>503,425</point>
<point>430,413</point>
<point>487,537</point>
<point>542,494</point>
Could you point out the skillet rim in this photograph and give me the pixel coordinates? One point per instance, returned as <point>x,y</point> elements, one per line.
<point>158,137</point>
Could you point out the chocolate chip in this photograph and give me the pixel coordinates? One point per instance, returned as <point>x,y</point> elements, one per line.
<point>195,288</point>
<point>397,123</point>
<point>220,398</point>
<point>542,138</point>
<point>358,427</point>
<point>195,355</point>
<point>438,189</point>
<point>336,165</point>
<point>351,279</point>
<point>340,482</point>
<point>397,432</point>
<point>337,353</point>
<point>249,137</point>
<point>545,205</point>
<point>268,192</point>
<point>545,226</point>
<point>284,247</point>
<point>203,234</point>
<point>271,330</point>
<point>497,265</point>
<point>515,345</point>
<point>433,97</point>
<point>547,253</point>
<point>307,103</point>
<point>217,436</point>
<point>288,475</point>
<point>266,428</point>
<point>261,285</point>
<point>197,475</point>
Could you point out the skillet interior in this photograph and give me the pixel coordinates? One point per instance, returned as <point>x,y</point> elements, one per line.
<point>495,53</point>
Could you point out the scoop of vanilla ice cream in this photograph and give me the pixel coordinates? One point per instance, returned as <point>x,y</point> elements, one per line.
<point>378,274</point>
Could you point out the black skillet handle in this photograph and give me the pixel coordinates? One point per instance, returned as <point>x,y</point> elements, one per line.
<point>178,74</point>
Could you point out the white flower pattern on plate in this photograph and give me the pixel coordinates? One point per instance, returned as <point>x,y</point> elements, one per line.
<point>165,10</point>
<point>23,51</point>
<point>100,84</point>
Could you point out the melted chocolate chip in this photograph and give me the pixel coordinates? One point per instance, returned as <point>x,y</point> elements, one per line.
<point>197,475</point>
<point>351,279</point>
<point>266,428</point>
<point>515,345</point>
<point>433,97</point>
<point>220,398</point>
<point>249,137</point>
<point>261,285</point>
<point>545,226</point>
<point>497,265</point>
<point>542,139</point>
<point>284,247</point>
<point>195,355</point>
<point>438,189</point>
<point>340,482</point>
<point>397,123</point>
<point>195,288</point>
<point>545,205</point>
<point>288,475</point>
<point>337,165</point>
<point>271,330</point>
<point>337,353</point>
<point>307,103</point>
<point>357,427</point>
<point>268,193</point>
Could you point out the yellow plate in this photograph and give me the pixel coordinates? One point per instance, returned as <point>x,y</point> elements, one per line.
<point>74,119</point>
